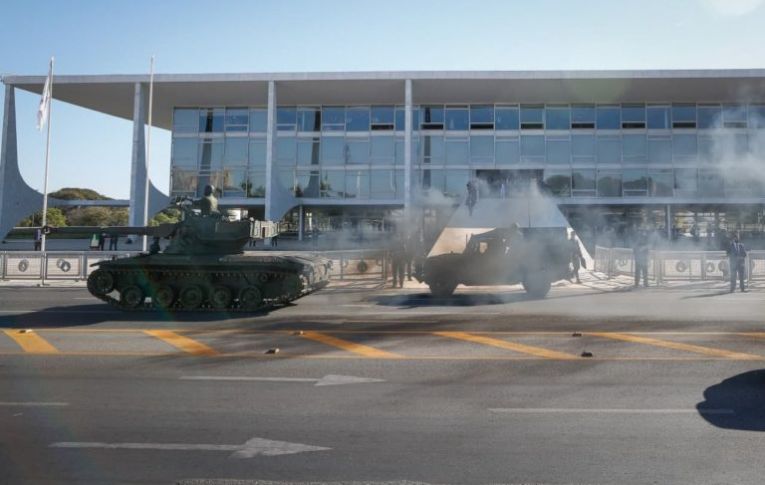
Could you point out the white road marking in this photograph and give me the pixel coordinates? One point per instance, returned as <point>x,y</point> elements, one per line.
<point>610,411</point>
<point>34,404</point>
<point>249,449</point>
<point>328,380</point>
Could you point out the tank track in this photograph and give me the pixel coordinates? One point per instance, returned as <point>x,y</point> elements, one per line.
<point>205,306</point>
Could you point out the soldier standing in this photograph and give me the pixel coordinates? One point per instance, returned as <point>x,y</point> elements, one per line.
<point>640,255</point>
<point>737,262</point>
<point>398,263</point>
<point>575,255</point>
<point>472,197</point>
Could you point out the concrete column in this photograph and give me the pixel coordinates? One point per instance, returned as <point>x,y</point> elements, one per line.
<point>17,199</point>
<point>408,143</point>
<point>301,222</point>
<point>668,219</point>
<point>270,148</point>
<point>138,158</point>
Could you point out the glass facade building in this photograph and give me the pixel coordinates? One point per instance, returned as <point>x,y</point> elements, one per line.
<point>356,152</point>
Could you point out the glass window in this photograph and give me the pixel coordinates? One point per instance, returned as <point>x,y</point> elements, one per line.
<point>185,120</point>
<point>583,117</point>
<point>382,117</point>
<point>308,151</point>
<point>333,183</point>
<point>532,118</point>
<point>236,151</point>
<point>660,149</point>
<point>332,150</point>
<point>400,152</point>
<point>234,183</point>
<point>457,151</point>
<point>507,151</point>
<point>633,116</point>
<point>686,182</point>
<point>558,182</point>
<point>481,117</point>
<point>256,184</point>
<point>286,150</point>
<point>357,184</point>
<point>399,180</point>
<point>185,152</point>
<point>286,119</point>
<point>433,149</point>
<point>457,119</point>
<point>684,147</point>
<point>237,120</point>
<point>558,150</point>
<point>482,149</point>
<point>382,149</point>
<point>558,118</point>
<point>683,116</point>
<point>357,150</point>
<point>382,184</point>
<point>734,116</point>
<point>432,117</point>
<point>711,183</point>
<point>184,183</point>
<point>434,179</point>
<point>357,118</point>
<point>456,182</point>
<point>285,178</point>
<point>583,148</point>
<point>635,183</point>
<point>710,147</point>
<point>211,120</point>
<point>658,117</point>
<point>609,149</point>
<point>532,148</point>
<point>258,120</point>
<point>634,148</point>
<point>257,155</point>
<point>583,183</point>
<point>756,116</point>
<point>660,183</point>
<point>709,117</point>
<point>307,183</point>
<point>609,118</point>
<point>333,118</point>
<point>401,119</point>
<point>507,118</point>
<point>609,184</point>
<point>210,154</point>
<point>309,119</point>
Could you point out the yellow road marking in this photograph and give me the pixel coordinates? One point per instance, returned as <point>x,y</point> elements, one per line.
<point>184,343</point>
<point>359,349</point>
<point>503,344</point>
<point>31,342</point>
<point>727,354</point>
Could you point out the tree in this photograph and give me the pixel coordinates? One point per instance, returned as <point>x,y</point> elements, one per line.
<point>170,215</point>
<point>55,218</point>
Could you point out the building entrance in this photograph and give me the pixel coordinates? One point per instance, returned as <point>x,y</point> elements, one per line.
<point>515,181</point>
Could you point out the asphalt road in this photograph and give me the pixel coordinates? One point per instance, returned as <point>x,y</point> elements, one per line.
<point>387,386</point>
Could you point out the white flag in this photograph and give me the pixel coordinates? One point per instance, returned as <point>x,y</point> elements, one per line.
<point>44,109</point>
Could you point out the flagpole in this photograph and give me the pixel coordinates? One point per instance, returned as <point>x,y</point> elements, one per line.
<point>148,154</point>
<point>47,159</point>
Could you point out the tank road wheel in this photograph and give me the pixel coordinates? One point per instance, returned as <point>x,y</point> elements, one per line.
<point>132,296</point>
<point>250,298</point>
<point>164,296</point>
<point>442,289</point>
<point>191,297</point>
<point>537,285</point>
<point>220,297</point>
<point>100,282</point>
<point>292,286</point>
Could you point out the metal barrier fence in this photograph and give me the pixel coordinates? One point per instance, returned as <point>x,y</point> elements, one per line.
<point>76,265</point>
<point>677,265</point>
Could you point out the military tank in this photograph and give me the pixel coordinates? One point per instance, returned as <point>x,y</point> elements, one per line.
<point>204,268</point>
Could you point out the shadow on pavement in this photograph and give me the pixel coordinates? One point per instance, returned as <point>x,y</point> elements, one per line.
<point>83,315</point>
<point>736,403</point>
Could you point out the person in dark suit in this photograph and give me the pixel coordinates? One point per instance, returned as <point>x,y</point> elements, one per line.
<point>737,262</point>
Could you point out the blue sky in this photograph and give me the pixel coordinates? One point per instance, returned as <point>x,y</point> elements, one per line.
<point>105,37</point>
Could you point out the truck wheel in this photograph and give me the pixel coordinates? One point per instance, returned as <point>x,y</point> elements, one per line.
<point>442,289</point>
<point>537,286</point>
